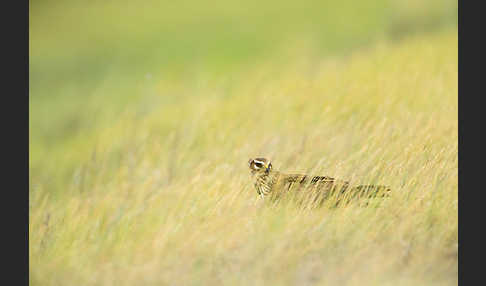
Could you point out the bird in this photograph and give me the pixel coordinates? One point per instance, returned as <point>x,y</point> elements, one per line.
<point>271,183</point>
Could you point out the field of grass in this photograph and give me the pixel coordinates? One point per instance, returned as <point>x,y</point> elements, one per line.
<point>138,160</point>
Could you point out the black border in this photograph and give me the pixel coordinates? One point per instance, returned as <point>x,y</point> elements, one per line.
<point>15,119</point>
<point>470,121</point>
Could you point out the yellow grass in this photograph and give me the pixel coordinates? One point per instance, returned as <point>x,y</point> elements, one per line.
<point>162,195</point>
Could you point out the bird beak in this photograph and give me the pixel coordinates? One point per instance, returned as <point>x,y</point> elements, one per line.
<point>268,167</point>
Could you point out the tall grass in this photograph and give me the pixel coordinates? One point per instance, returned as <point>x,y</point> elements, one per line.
<point>160,194</point>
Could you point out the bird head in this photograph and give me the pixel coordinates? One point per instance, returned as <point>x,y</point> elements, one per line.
<point>259,165</point>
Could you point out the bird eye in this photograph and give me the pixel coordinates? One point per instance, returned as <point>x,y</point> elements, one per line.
<point>258,165</point>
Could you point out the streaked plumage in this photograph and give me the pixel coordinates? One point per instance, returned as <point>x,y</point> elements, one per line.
<point>269,182</point>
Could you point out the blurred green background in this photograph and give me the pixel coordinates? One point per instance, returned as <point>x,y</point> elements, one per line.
<point>82,42</point>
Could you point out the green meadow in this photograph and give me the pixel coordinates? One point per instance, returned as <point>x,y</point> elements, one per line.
<point>143,115</point>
